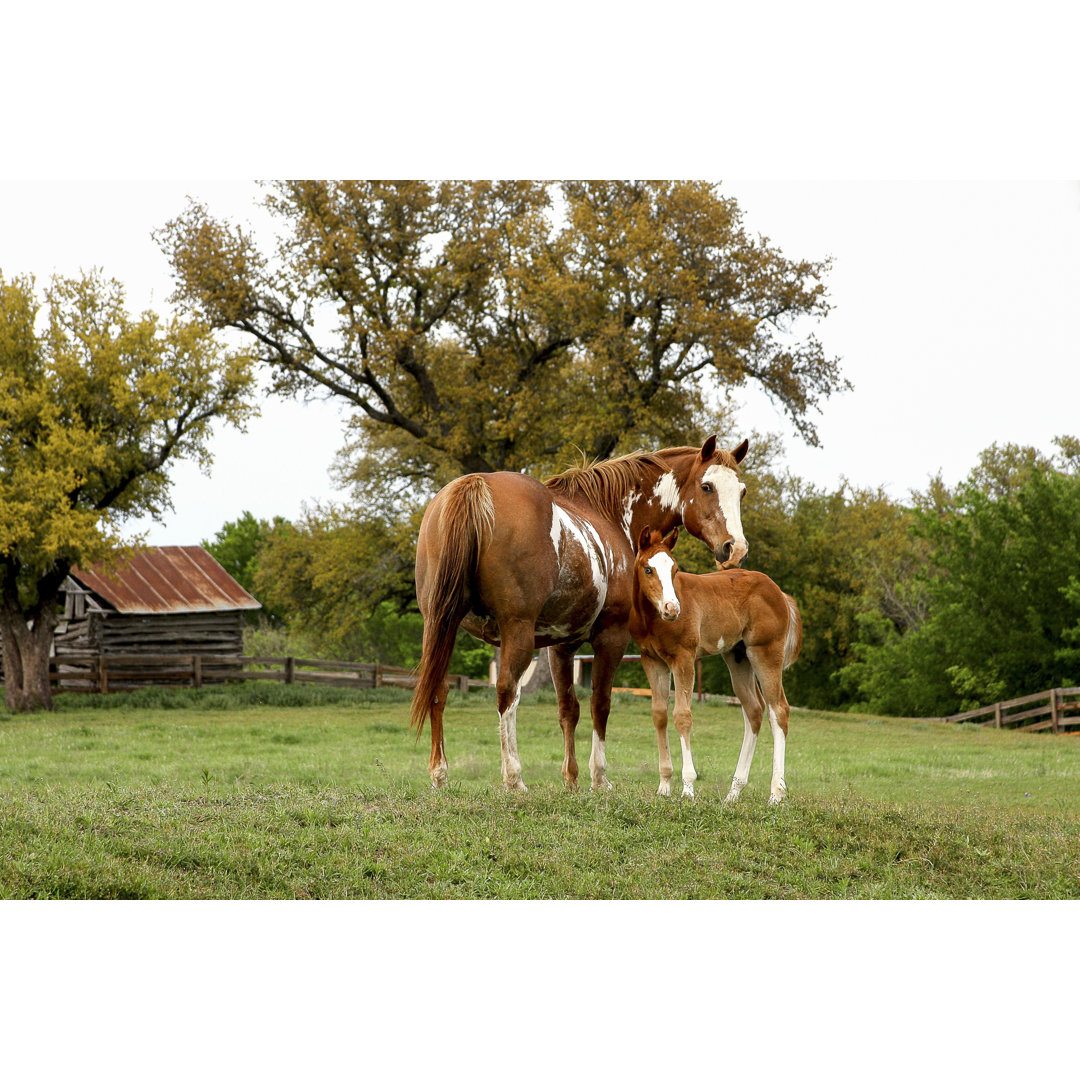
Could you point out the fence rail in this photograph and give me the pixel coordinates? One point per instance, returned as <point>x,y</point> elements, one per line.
<point>102,674</point>
<point>1053,710</point>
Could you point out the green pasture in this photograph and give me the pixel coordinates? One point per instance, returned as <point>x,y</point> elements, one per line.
<point>257,793</point>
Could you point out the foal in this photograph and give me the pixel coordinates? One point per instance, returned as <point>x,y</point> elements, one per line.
<point>741,614</point>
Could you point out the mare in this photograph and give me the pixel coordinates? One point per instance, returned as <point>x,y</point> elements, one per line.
<point>522,565</point>
<point>741,614</point>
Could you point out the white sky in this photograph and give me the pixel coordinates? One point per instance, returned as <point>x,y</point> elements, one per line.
<point>954,312</point>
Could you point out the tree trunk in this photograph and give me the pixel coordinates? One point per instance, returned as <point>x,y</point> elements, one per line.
<point>541,675</point>
<point>26,652</point>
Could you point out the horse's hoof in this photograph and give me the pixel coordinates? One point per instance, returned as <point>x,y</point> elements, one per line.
<point>688,792</point>
<point>776,798</point>
<point>603,785</point>
<point>664,789</point>
<point>731,796</point>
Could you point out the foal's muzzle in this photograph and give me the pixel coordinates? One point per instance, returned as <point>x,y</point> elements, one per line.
<point>669,612</point>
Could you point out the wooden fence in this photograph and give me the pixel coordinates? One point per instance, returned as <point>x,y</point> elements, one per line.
<point>1049,710</point>
<point>103,674</point>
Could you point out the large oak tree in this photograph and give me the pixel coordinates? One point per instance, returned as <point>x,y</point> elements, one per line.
<point>484,325</point>
<point>94,405</point>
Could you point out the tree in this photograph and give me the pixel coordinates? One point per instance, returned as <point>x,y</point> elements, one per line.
<point>92,410</point>
<point>236,547</point>
<point>489,325</point>
<point>1002,604</point>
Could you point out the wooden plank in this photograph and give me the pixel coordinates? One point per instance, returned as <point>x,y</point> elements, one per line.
<point>1012,718</point>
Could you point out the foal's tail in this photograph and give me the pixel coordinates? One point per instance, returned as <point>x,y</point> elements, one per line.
<point>466,518</point>
<point>793,642</point>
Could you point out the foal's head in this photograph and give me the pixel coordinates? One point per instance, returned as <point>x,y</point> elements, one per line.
<point>712,502</point>
<point>654,572</point>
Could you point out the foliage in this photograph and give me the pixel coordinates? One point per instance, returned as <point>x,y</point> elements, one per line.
<point>1004,548</point>
<point>236,546</point>
<point>476,326</point>
<point>344,582</point>
<point>93,407</point>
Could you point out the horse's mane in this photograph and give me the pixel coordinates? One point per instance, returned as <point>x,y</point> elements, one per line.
<point>605,484</point>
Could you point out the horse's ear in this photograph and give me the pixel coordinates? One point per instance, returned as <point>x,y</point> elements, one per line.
<point>708,448</point>
<point>671,538</point>
<point>645,538</point>
<point>740,451</point>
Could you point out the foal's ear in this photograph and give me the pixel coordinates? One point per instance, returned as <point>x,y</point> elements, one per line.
<point>740,451</point>
<point>669,540</point>
<point>645,539</point>
<point>708,448</point>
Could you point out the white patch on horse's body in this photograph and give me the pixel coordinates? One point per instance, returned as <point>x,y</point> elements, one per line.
<point>558,633</point>
<point>746,756</point>
<point>508,739</point>
<point>567,527</point>
<point>628,512</point>
<point>778,788</point>
<point>720,645</point>
<point>667,491</point>
<point>663,563</point>
<point>598,763</point>
<point>688,773</point>
<point>729,489</point>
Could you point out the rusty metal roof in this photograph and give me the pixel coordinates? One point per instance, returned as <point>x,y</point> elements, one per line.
<point>166,581</point>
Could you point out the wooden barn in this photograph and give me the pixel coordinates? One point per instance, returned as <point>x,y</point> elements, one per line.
<point>165,601</point>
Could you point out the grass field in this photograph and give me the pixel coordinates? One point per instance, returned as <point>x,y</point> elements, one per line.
<point>258,794</point>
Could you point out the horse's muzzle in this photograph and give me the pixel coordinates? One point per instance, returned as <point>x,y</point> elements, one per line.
<point>731,554</point>
<point>669,612</point>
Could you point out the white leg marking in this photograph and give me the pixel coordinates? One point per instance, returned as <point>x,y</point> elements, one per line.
<point>746,757</point>
<point>688,773</point>
<point>598,764</point>
<point>511,765</point>
<point>779,788</point>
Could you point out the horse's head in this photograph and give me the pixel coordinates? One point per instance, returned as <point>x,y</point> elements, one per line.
<point>654,571</point>
<point>712,500</point>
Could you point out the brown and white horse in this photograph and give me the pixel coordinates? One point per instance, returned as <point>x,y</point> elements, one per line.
<point>522,564</point>
<point>741,614</point>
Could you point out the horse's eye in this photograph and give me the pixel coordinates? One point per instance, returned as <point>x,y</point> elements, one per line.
<point>648,569</point>
<point>706,488</point>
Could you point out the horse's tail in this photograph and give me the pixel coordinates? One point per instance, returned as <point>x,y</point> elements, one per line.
<point>793,642</point>
<point>466,518</point>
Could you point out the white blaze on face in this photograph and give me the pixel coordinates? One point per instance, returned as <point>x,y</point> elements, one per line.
<point>663,565</point>
<point>729,489</point>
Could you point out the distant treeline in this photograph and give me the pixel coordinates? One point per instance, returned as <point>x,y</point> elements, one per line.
<point>951,599</point>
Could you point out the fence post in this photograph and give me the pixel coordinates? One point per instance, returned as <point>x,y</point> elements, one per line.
<point>196,672</point>
<point>376,679</point>
<point>1054,712</point>
<point>997,715</point>
<point>103,675</point>
<point>290,669</point>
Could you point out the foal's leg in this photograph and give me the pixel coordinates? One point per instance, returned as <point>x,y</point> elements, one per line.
<point>768,663</point>
<point>659,676</point>
<point>753,708</point>
<point>514,657</point>
<point>437,764</point>
<point>608,648</point>
<point>562,673</point>
<point>683,670</point>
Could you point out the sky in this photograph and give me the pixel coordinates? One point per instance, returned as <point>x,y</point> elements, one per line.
<point>953,315</point>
